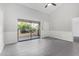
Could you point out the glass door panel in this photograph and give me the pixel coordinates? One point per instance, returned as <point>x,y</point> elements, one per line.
<point>28,30</point>
<point>35,30</point>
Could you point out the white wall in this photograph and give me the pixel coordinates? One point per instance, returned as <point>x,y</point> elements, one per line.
<point>1,30</point>
<point>13,12</point>
<point>60,25</point>
<point>61,21</point>
<point>75,27</point>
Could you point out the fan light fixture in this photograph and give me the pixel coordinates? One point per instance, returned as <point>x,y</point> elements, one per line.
<point>48,4</point>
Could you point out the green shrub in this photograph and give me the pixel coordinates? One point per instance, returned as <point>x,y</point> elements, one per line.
<point>25,26</point>
<point>22,26</point>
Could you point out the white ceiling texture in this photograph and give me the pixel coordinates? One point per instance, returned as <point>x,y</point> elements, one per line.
<point>41,7</point>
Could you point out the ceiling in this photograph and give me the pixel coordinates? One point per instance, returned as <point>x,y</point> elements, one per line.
<point>41,7</point>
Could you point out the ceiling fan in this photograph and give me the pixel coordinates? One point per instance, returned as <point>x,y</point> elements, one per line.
<point>50,4</point>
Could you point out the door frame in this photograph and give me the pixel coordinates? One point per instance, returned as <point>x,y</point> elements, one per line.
<point>31,21</point>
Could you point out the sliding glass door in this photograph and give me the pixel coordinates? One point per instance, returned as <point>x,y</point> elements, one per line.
<point>28,30</point>
<point>35,32</point>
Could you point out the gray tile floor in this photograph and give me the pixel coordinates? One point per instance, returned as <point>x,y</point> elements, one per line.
<point>42,47</point>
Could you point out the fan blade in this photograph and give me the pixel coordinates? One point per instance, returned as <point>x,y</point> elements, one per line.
<point>45,6</point>
<point>53,4</point>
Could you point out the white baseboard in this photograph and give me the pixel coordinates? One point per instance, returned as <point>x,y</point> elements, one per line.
<point>64,35</point>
